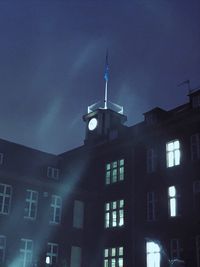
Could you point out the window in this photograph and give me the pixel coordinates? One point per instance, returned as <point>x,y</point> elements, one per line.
<point>198,250</point>
<point>1,158</point>
<point>153,254</point>
<point>175,249</point>
<point>52,252</point>
<point>115,171</point>
<point>173,153</point>
<point>114,214</point>
<point>2,248</point>
<point>31,203</point>
<point>151,160</point>
<point>113,257</point>
<point>196,101</point>
<point>75,257</point>
<point>196,194</point>
<point>78,214</point>
<point>5,198</point>
<point>151,206</point>
<point>173,201</point>
<point>55,212</point>
<point>26,252</point>
<point>196,187</point>
<point>195,146</point>
<point>53,172</point>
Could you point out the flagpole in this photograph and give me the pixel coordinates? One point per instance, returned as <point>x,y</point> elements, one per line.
<point>106,95</point>
<point>106,84</point>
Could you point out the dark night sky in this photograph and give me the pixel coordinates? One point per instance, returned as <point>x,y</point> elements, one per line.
<point>52,56</point>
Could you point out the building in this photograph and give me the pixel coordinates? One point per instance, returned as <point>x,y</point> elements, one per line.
<point>129,197</point>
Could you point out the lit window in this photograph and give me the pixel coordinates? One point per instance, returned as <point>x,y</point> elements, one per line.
<point>31,203</point>
<point>114,214</point>
<point>153,254</point>
<point>5,198</point>
<point>2,248</point>
<point>55,212</point>
<point>1,158</point>
<point>52,253</point>
<point>198,250</point>
<point>78,214</point>
<point>53,173</point>
<point>175,249</point>
<point>76,255</point>
<point>113,257</point>
<point>173,201</point>
<point>173,153</point>
<point>26,252</point>
<point>151,160</point>
<point>151,206</point>
<point>195,146</point>
<point>115,171</point>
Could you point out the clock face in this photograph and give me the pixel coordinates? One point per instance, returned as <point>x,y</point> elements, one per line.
<point>92,124</point>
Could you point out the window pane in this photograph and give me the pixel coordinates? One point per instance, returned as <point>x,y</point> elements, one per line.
<point>173,207</point>
<point>176,144</point>
<point>172,191</point>
<point>152,254</point>
<point>114,164</point>
<point>177,157</point>
<point>106,253</point>
<point>108,166</point>
<point>113,253</point>
<point>121,203</point>
<point>121,162</point>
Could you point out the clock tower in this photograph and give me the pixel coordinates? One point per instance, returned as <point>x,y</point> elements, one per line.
<point>104,123</point>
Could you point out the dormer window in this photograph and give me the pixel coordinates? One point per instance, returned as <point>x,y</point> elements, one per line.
<point>1,158</point>
<point>196,101</point>
<point>195,98</point>
<point>53,172</point>
<point>155,115</point>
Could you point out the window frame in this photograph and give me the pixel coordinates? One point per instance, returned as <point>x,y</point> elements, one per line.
<point>4,196</point>
<point>32,203</point>
<point>78,212</point>
<point>153,254</point>
<point>173,201</point>
<point>175,249</point>
<point>151,160</point>
<point>114,171</point>
<point>151,206</point>
<point>195,146</point>
<point>53,172</point>
<point>50,253</point>
<point>1,158</point>
<point>54,208</point>
<point>114,214</point>
<point>114,256</point>
<point>3,248</point>
<point>173,153</point>
<point>25,252</point>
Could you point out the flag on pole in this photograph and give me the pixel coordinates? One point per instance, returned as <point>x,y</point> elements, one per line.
<point>106,68</point>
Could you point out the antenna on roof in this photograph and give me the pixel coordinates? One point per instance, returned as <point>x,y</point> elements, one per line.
<point>185,82</point>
